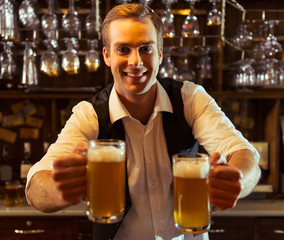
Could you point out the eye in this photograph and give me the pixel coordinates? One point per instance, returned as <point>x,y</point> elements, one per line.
<point>122,50</point>
<point>146,49</point>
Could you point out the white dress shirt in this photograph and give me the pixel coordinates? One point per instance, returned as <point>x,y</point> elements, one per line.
<point>148,164</point>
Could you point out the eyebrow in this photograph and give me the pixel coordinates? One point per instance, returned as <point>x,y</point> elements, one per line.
<point>122,44</point>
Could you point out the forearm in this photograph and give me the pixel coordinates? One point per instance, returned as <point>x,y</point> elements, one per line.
<point>42,193</point>
<point>246,162</point>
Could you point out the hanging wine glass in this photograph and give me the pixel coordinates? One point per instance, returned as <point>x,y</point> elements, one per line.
<point>29,73</point>
<point>9,27</point>
<point>49,24</point>
<point>7,63</point>
<point>70,59</point>
<point>123,1</point>
<point>146,2</point>
<point>272,46</point>
<point>27,15</point>
<point>204,70</point>
<point>241,36</point>
<point>49,61</point>
<point>71,23</point>
<point>167,68</point>
<point>184,73</point>
<point>190,25</point>
<point>214,16</point>
<point>92,58</point>
<point>93,21</point>
<point>168,19</point>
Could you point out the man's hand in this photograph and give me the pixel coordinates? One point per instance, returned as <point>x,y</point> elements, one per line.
<point>225,183</point>
<point>69,175</point>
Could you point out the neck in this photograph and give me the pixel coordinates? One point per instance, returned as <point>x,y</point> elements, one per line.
<point>141,106</point>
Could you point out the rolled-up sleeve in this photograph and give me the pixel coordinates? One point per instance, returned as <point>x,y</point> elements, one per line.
<point>213,130</point>
<point>81,126</point>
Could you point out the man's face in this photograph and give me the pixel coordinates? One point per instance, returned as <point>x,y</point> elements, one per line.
<point>133,55</point>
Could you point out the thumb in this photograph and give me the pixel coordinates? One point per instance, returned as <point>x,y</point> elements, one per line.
<point>217,158</point>
<point>81,148</point>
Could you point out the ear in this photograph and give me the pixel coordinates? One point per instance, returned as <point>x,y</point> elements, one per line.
<point>160,56</point>
<point>106,57</point>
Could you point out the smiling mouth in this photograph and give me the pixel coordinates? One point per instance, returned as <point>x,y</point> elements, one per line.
<point>135,75</point>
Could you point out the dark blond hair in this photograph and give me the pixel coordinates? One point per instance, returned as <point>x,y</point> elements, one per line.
<point>132,10</point>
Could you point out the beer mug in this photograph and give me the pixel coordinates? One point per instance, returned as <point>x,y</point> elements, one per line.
<point>191,192</point>
<point>106,180</point>
<point>12,194</point>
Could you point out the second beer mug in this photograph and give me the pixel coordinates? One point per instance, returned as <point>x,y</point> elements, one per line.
<point>106,180</point>
<point>191,192</point>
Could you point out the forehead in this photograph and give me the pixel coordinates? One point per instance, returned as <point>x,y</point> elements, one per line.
<point>132,31</point>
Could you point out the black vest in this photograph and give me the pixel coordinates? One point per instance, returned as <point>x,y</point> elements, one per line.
<point>178,135</point>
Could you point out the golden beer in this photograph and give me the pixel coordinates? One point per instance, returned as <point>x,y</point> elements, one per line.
<point>191,194</point>
<point>12,194</point>
<point>106,189</point>
<point>105,183</point>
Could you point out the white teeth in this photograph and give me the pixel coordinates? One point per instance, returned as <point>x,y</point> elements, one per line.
<point>135,74</point>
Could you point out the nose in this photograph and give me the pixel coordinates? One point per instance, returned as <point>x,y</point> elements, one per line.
<point>135,59</point>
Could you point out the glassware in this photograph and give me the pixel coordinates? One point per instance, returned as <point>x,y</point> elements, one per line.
<point>106,180</point>
<point>146,2</point>
<point>214,16</point>
<point>184,73</point>
<point>167,68</point>
<point>269,46</point>
<point>29,73</point>
<point>123,1</point>
<point>7,63</point>
<point>70,59</point>
<point>281,73</point>
<point>241,36</point>
<point>8,21</point>
<point>272,46</point>
<point>27,15</point>
<point>49,61</point>
<point>92,58</point>
<point>190,26</point>
<point>244,74</point>
<point>168,19</point>
<point>49,23</point>
<point>71,23</point>
<point>93,21</point>
<point>204,67</point>
<point>267,72</point>
<point>191,192</point>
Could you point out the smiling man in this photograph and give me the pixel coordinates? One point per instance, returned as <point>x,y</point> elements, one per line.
<point>156,118</point>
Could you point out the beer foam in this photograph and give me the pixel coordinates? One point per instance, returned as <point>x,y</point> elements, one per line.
<point>105,154</point>
<point>186,169</point>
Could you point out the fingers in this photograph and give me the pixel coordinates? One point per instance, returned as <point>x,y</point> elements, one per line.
<point>73,195</point>
<point>73,159</point>
<point>61,174</point>
<point>225,186</point>
<point>69,174</point>
<point>226,172</point>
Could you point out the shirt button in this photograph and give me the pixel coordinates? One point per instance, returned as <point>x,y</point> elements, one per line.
<point>149,161</point>
<point>152,187</point>
<point>156,211</point>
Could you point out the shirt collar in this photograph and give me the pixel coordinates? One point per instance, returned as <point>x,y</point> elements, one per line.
<point>118,111</point>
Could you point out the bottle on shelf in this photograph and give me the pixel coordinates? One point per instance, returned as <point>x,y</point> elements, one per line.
<point>6,170</point>
<point>26,162</point>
